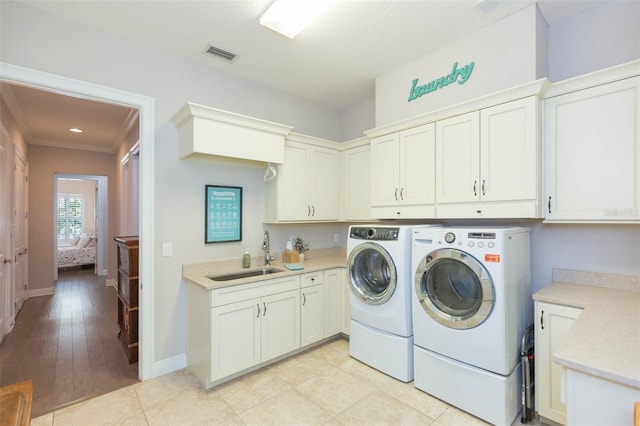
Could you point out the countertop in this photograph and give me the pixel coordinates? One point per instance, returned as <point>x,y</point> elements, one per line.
<point>604,340</point>
<point>197,273</point>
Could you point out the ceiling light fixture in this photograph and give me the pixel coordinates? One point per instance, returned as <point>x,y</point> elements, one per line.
<point>290,17</point>
<point>76,130</point>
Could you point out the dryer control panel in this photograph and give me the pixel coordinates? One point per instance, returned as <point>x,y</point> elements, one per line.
<point>375,233</point>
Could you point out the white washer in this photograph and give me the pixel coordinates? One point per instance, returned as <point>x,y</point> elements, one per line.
<point>380,282</point>
<point>471,302</point>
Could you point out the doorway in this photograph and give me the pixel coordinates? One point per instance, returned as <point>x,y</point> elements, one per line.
<point>91,192</point>
<point>50,82</point>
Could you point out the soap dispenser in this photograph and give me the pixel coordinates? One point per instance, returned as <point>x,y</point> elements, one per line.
<point>246,259</point>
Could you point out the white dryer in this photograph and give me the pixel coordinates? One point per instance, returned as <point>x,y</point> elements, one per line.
<point>380,281</point>
<point>471,302</point>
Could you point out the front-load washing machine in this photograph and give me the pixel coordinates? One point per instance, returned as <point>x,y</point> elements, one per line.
<point>380,282</point>
<point>471,302</point>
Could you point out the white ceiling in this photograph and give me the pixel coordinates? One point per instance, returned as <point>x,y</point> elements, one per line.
<point>334,62</point>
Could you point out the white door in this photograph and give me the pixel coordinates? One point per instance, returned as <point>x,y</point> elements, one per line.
<point>417,165</point>
<point>19,232</point>
<point>385,162</point>
<point>323,183</point>
<point>5,244</point>
<point>509,151</point>
<point>311,315</point>
<point>458,159</point>
<point>280,324</point>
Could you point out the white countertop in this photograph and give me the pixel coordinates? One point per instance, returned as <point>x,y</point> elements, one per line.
<point>197,273</point>
<point>604,340</point>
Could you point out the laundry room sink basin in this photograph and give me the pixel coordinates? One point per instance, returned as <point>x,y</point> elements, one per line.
<point>245,274</point>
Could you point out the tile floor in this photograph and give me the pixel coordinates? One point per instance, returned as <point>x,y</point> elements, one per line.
<point>323,386</point>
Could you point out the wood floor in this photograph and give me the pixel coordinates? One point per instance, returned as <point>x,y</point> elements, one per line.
<point>67,344</point>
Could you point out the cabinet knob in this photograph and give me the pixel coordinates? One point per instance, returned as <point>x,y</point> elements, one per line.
<point>304,299</point>
<point>475,188</point>
<point>396,194</point>
<point>265,309</point>
<point>402,193</point>
<point>549,204</point>
<point>258,306</point>
<point>483,181</point>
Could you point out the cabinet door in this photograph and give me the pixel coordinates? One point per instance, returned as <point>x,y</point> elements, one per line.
<point>357,183</point>
<point>509,151</point>
<point>385,162</point>
<point>292,184</point>
<point>311,314</point>
<point>280,324</point>
<point>323,183</point>
<point>417,165</point>
<point>458,159</point>
<point>346,316</point>
<point>592,160</point>
<point>552,324</point>
<point>332,302</point>
<point>235,337</point>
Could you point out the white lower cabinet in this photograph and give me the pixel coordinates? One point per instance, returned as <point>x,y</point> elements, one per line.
<point>333,284</point>
<point>312,308</point>
<point>551,326</point>
<point>235,329</point>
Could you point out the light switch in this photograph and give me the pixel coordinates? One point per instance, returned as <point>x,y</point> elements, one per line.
<point>167,249</point>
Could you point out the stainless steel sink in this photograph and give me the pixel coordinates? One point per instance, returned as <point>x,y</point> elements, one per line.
<point>247,274</point>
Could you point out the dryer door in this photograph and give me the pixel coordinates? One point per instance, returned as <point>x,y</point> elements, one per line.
<point>372,273</point>
<point>454,288</point>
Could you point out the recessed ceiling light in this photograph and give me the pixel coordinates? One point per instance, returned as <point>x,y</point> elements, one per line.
<point>76,130</point>
<point>290,17</point>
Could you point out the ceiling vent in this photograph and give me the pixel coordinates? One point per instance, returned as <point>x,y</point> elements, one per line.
<point>223,54</point>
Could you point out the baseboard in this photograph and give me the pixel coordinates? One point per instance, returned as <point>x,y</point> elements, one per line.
<point>111,283</point>
<point>41,292</point>
<point>169,365</point>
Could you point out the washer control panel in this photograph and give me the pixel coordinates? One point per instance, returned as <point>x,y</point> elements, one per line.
<point>375,233</point>
<point>468,239</point>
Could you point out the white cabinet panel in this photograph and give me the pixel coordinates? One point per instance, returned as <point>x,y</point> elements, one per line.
<point>402,174</point>
<point>357,183</point>
<point>592,161</point>
<point>312,314</point>
<point>552,322</point>
<point>488,162</point>
<point>235,331</point>
<point>306,185</point>
<point>280,324</point>
<point>333,286</point>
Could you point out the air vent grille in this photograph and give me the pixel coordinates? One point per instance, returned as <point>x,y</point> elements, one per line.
<point>228,56</point>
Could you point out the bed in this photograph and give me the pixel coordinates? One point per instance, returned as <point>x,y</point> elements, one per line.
<point>81,251</point>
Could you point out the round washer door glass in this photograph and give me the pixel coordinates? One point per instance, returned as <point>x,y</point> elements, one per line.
<point>454,288</point>
<point>372,274</point>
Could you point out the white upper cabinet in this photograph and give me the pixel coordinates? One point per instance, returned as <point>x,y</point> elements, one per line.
<point>592,152</point>
<point>488,162</point>
<point>356,183</point>
<point>402,174</point>
<point>306,185</point>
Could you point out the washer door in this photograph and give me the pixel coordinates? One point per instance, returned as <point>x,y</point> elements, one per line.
<point>372,273</point>
<point>454,288</point>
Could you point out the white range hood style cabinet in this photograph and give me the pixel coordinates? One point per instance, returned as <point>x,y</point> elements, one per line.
<point>211,131</point>
<point>306,185</point>
<point>402,174</point>
<point>592,147</point>
<point>479,159</point>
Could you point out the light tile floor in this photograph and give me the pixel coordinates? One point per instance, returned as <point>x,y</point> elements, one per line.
<point>323,386</point>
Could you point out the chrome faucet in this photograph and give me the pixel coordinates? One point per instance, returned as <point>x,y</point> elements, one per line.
<point>265,246</point>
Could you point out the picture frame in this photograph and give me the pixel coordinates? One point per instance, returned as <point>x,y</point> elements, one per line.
<point>223,214</point>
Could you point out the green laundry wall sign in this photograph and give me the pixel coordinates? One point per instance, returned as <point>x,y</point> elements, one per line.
<point>459,75</point>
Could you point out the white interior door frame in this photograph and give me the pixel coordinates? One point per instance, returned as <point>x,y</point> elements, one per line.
<point>102,219</point>
<point>81,89</point>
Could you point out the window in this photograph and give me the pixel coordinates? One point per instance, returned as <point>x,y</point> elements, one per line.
<point>70,214</point>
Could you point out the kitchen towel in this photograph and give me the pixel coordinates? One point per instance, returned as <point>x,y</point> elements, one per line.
<point>293,266</point>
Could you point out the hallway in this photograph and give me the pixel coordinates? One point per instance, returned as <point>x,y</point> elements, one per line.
<point>67,344</point>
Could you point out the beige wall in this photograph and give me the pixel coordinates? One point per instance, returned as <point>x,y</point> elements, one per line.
<point>43,163</point>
